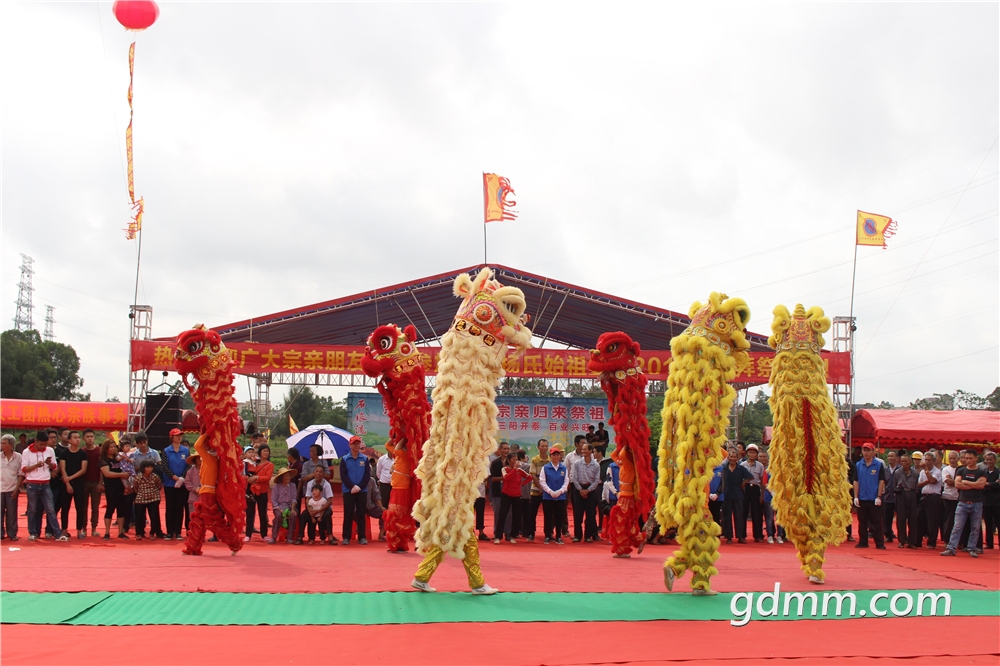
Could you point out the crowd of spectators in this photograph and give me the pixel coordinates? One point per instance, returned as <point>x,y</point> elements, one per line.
<point>930,500</point>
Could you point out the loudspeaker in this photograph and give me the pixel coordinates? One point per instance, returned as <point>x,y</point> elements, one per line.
<point>163,414</point>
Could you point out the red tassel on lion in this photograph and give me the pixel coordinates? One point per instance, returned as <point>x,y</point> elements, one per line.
<point>392,357</point>
<point>617,359</point>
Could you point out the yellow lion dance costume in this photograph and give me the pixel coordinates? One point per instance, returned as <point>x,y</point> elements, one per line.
<point>808,474</point>
<point>464,423</point>
<point>704,358</point>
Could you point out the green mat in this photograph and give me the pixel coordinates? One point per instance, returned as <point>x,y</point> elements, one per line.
<point>370,608</point>
<point>48,607</point>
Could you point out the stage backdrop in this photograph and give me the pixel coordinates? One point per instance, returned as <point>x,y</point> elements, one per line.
<point>522,420</point>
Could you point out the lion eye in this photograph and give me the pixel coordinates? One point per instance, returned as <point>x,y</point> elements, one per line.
<point>195,347</point>
<point>613,347</point>
<point>385,343</point>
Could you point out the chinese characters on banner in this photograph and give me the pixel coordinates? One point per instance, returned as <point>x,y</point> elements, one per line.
<point>251,358</point>
<point>521,420</point>
<point>58,414</point>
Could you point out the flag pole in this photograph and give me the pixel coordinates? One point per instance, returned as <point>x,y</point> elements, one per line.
<point>484,243</point>
<point>854,275</point>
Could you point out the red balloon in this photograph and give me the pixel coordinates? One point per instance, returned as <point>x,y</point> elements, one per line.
<point>136,14</point>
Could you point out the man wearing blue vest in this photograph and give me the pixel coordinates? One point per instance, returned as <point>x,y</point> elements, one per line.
<point>354,476</point>
<point>869,486</point>
<point>554,481</point>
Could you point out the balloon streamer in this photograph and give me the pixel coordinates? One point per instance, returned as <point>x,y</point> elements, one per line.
<point>136,224</point>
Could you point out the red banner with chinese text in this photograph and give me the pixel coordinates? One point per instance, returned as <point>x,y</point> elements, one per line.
<point>253,358</point>
<point>76,415</point>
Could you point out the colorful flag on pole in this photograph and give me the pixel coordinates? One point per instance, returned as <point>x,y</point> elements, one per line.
<point>496,206</point>
<point>874,229</point>
<point>292,428</point>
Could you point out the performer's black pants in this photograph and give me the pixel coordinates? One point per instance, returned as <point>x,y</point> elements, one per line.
<point>949,518</point>
<point>480,514</point>
<point>151,509</point>
<point>508,505</point>
<point>715,508</point>
<point>176,499</point>
<point>555,512</point>
<point>906,517</point>
<point>929,515</point>
<point>584,516</point>
<point>257,504</point>
<point>870,517</point>
<point>753,507</point>
<point>732,511</point>
<point>888,513</point>
<point>992,516</point>
<point>355,505</point>
<point>78,499</point>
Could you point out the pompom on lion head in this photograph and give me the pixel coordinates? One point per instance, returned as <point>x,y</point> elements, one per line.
<point>200,352</point>
<point>390,349</point>
<point>802,330</point>
<point>491,311</point>
<point>723,321</point>
<point>615,351</point>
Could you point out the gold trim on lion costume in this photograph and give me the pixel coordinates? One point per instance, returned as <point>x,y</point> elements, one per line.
<point>704,358</point>
<point>808,475</point>
<point>464,420</point>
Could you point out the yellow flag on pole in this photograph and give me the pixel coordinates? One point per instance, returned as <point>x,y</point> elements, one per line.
<point>292,428</point>
<point>874,229</point>
<point>496,206</point>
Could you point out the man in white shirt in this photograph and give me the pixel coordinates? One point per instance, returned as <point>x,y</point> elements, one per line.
<point>38,462</point>
<point>383,474</point>
<point>10,473</point>
<point>949,495</point>
<point>931,507</point>
<point>326,493</point>
<point>571,458</point>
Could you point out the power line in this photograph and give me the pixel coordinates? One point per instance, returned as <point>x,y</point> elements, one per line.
<point>929,246</point>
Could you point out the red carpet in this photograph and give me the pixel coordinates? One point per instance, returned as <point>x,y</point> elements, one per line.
<point>965,641</point>
<point>95,565</point>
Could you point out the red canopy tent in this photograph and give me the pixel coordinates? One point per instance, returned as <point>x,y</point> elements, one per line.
<point>923,429</point>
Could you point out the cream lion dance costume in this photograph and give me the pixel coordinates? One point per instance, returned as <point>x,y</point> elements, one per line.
<point>808,476</point>
<point>464,423</point>
<point>704,358</point>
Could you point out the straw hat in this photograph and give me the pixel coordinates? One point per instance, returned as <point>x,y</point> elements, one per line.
<point>190,458</point>
<point>282,472</point>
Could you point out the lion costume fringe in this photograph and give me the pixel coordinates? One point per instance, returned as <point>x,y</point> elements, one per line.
<point>221,505</point>
<point>704,358</point>
<point>616,357</point>
<point>392,357</point>
<point>464,421</point>
<point>808,475</point>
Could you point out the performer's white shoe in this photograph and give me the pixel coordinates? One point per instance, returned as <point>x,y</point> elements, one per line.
<point>816,579</point>
<point>484,590</point>
<point>422,586</point>
<point>703,593</point>
<point>668,578</point>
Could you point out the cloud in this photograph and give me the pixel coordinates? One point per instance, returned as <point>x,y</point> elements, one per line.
<point>293,153</point>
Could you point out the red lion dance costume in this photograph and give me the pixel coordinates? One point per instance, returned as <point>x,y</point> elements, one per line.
<point>617,359</point>
<point>392,355</point>
<point>221,505</point>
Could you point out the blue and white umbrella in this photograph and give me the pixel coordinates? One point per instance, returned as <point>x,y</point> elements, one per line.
<point>335,441</point>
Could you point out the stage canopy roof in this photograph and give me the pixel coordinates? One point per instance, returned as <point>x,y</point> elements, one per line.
<point>921,428</point>
<point>560,312</point>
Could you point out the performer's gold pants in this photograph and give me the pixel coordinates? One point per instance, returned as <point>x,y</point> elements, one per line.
<point>435,556</point>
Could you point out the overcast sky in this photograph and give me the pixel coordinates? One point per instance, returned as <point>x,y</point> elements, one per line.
<point>294,153</point>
